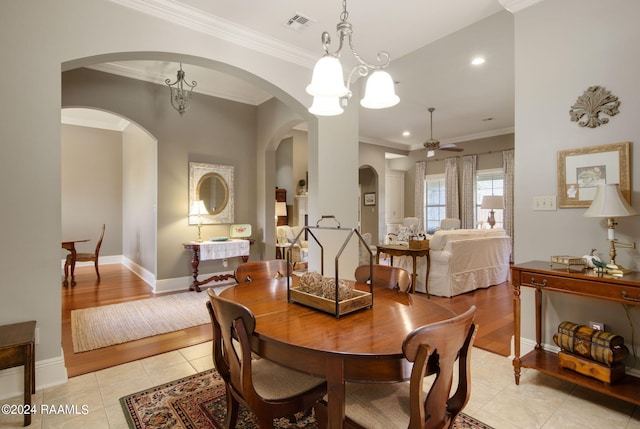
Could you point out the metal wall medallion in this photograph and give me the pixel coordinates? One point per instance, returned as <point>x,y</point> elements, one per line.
<point>592,103</point>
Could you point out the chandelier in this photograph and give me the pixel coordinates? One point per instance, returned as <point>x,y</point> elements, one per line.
<point>181,92</point>
<point>331,94</point>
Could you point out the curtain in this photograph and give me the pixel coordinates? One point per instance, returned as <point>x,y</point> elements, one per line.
<point>418,198</point>
<point>468,191</point>
<point>508,166</point>
<point>451,187</point>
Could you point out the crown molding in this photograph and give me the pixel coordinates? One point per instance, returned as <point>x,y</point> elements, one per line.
<point>220,28</point>
<point>514,6</point>
<point>121,69</point>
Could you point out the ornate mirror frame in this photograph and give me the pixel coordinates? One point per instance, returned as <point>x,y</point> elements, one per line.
<point>200,171</point>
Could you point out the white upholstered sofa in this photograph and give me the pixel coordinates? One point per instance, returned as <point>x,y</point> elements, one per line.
<point>463,260</point>
<point>285,235</point>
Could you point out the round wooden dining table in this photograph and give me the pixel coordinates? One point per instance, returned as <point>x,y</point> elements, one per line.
<point>364,346</point>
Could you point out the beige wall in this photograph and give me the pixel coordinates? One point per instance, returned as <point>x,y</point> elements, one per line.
<point>214,131</point>
<point>91,184</point>
<point>562,48</point>
<point>140,200</point>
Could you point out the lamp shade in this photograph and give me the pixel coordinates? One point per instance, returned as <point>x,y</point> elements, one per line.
<point>492,202</point>
<point>327,78</point>
<point>609,202</point>
<point>198,208</point>
<point>281,208</point>
<point>326,106</point>
<point>379,92</point>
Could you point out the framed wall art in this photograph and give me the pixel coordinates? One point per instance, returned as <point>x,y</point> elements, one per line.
<point>581,170</point>
<point>370,199</point>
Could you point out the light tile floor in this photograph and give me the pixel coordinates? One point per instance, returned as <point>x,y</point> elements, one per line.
<point>539,401</point>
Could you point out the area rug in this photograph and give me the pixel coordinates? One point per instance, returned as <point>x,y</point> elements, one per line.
<point>198,402</point>
<point>94,328</point>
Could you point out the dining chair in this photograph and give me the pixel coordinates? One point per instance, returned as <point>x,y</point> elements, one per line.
<point>272,269</point>
<point>267,389</point>
<point>384,275</point>
<point>86,257</point>
<point>434,350</point>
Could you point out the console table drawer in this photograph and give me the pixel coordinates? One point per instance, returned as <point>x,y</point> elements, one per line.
<point>593,287</point>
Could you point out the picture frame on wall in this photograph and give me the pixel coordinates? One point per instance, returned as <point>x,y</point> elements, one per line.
<point>581,170</point>
<point>370,199</point>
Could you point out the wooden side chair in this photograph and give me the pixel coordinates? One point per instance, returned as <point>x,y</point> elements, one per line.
<point>434,350</point>
<point>267,389</point>
<point>384,275</point>
<point>255,270</point>
<point>86,257</point>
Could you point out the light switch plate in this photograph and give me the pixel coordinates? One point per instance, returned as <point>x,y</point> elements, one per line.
<point>544,202</point>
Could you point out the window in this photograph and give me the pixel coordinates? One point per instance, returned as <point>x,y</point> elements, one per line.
<point>434,201</point>
<point>489,182</point>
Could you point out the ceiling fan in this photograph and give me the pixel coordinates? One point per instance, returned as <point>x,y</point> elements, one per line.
<point>431,145</point>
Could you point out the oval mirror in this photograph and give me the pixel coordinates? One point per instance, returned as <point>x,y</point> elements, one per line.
<point>213,190</point>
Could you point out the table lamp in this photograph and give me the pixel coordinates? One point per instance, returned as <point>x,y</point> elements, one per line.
<point>281,210</point>
<point>491,203</point>
<point>198,209</point>
<point>609,203</point>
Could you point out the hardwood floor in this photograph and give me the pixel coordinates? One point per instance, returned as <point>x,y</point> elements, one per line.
<point>118,284</point>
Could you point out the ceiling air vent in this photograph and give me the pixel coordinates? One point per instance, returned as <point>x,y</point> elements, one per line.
<point>298,22</point>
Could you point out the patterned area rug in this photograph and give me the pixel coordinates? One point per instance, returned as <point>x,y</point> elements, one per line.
<point>198,402</point>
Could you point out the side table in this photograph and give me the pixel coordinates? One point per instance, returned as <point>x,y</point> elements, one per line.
<point>17,347</point>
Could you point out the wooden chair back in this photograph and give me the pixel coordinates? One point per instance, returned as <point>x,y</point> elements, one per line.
<point>434,349</point>
<point>384,275</point>
<point>272,269</point>
<point>233,324</point>
<point>88,257</point>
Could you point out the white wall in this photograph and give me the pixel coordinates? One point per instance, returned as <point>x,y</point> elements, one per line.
<point>562,48</point>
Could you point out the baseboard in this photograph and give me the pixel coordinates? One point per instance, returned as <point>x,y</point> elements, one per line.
<point>158,286</point>
<point>49,373</point>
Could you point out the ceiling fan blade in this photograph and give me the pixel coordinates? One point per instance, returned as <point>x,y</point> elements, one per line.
<point>452,149</point>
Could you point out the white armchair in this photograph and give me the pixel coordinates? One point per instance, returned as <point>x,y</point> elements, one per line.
<point>285,235</point>
<point>450,223</point>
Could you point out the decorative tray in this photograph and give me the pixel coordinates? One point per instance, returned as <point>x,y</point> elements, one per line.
<point>219,238</point>
<point>332,295</point>
<point>241,230</point>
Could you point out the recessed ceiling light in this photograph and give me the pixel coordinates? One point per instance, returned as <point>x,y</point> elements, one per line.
<point>477,61</point>
<point>406,133</point>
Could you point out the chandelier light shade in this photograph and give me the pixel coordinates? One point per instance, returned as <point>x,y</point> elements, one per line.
<point>379,92</point>
<point>181,92</point>
<point>328,77</point>
<point>326,106</point>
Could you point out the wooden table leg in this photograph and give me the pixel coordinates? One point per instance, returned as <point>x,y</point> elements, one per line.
<point>414,275</point>
<point>335,393</point>
<point>195,261</point>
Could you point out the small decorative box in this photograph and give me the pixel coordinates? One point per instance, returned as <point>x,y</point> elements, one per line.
<point>568,261</point>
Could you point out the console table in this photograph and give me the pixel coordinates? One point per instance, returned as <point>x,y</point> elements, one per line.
<point>542,277</point>
<point>209,250</point>
<point>17,347</point>
<point>402,250</point>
